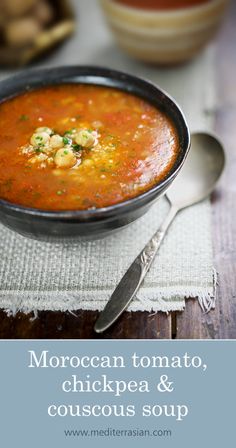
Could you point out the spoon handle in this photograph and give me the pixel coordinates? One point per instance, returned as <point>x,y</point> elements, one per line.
<point>133,278</point>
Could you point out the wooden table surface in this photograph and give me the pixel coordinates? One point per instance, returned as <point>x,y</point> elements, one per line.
<point>191,323</point>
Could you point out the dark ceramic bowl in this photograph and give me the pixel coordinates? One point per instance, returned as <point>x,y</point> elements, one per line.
<point>88,224</point>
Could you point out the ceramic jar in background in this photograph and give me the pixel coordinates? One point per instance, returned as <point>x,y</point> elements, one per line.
<point>164,36</point>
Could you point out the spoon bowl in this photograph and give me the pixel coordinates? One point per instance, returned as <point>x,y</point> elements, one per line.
<point>200,173</point>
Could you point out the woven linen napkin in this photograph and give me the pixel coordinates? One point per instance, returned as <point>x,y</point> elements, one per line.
<point>43,276</point>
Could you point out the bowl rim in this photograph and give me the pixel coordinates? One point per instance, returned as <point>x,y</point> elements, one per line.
<point>94,72</point>
<point>164,13</point>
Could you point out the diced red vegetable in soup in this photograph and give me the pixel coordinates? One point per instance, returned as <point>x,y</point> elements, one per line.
<point>76,147</point>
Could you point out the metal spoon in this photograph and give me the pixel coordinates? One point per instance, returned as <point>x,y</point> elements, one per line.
<point>195,182</point>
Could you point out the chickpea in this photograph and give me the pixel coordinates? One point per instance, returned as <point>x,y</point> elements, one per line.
<point>39,139</point>
<point>85,138</point>
<point>65,158</point>
<point>45,129</point>
<point>56,141</point>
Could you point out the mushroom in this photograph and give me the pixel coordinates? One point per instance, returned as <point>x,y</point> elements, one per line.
<point>17,8</point>
<point>21,32</point>
<point>43,12</point>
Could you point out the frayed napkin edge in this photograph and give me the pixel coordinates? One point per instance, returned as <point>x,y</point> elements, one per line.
<point>149,299</point>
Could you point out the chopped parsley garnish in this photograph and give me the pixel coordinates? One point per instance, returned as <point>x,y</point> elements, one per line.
<point>69,131</point>
<point>36,194</point>
<point>77,147</point>
<point>66,141</point>
<point>24,117</point>
<point>7,185</point>
<point>60,192</point>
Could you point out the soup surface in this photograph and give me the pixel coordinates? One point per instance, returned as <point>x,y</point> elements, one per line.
<point>71,147</point>
<point>162,4</point>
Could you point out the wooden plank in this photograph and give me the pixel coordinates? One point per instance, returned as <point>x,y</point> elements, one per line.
<point>58,325</point>
<point>193,324</point>
<point>221,323</point>
<point>224,230</point>
<point>224,211</point>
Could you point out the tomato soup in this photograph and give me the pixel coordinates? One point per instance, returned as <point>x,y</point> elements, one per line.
<point>162,4</point>
<point>77,147</point>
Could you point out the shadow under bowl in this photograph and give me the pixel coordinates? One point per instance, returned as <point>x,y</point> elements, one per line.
<point>90,224</point>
